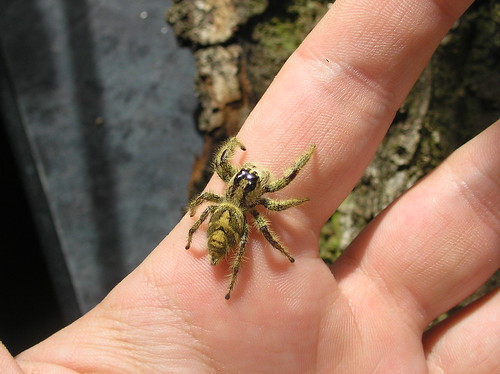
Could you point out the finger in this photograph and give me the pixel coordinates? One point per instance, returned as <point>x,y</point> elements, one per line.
<point>7,362</point>
<point>439,242</point>
<point>467,342</point>
<point>341,89</point>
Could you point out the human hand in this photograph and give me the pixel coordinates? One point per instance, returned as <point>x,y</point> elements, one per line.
<point>426,252</point>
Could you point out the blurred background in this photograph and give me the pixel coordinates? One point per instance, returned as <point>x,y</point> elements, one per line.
<point>97,144</point>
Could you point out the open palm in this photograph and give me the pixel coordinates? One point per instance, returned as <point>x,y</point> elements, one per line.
<point>425,253</point>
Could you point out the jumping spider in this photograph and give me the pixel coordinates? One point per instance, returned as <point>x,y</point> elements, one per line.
<point>245,187</point>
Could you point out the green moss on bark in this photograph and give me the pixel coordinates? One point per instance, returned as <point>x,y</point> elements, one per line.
<point>276,35</point>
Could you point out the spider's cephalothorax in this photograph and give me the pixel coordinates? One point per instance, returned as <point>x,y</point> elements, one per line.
<point>228,225</point>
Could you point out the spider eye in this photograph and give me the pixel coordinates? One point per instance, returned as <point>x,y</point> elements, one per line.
<point>251,179</point>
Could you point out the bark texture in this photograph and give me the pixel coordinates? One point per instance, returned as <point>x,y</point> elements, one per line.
<point>239,46</point>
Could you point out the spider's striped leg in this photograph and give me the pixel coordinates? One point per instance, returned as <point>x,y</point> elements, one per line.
<point>235,266</point>
<point>263,227</point>
<point>291,173</point>
<point>221,160</point>
<point>198,200</point>
<point>278,205</point>
<point>198,223</point>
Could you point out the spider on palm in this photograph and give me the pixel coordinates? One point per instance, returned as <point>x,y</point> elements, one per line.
<point>228,225</point>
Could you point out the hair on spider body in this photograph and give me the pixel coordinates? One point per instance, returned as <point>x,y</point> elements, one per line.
<point>245,186</point>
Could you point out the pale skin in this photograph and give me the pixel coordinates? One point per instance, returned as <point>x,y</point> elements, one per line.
<point>367,314</point>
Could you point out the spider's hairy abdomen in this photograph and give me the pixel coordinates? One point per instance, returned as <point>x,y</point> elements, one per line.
<point>224,231</point>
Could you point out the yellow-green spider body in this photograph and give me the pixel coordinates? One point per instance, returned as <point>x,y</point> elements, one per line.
<point>246,185</point>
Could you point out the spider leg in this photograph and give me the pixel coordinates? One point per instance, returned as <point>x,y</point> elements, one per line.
<point>291,173</point>
<point>198,200</point>
<point>197,224</point>
<point>263,226</point>
<point>235,266</point>
<point>278,205</point>
<point>221,164</point>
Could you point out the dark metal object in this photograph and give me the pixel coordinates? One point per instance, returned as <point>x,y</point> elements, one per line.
<point>100,114</point>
